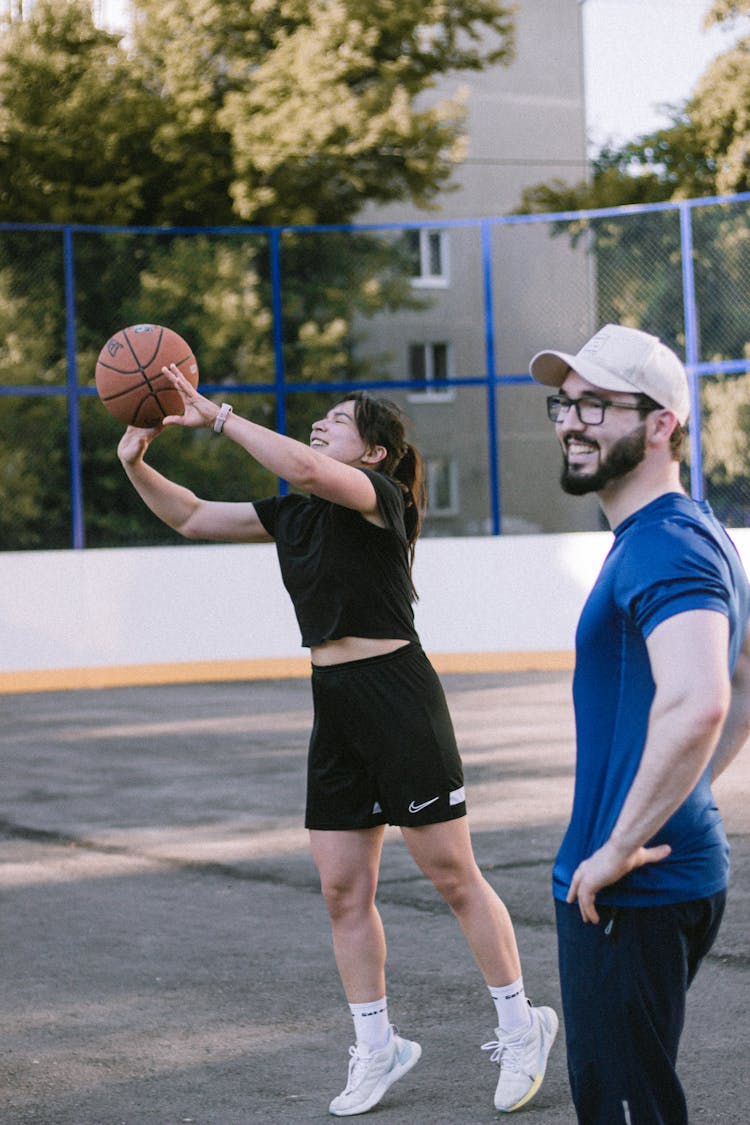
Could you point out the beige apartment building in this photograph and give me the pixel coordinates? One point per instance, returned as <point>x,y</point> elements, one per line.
<point>526,124</point>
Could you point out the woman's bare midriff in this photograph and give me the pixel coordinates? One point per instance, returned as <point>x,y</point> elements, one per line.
<point>352,648</point>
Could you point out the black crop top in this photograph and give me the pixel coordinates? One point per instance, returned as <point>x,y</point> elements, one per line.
<point>346,577</point>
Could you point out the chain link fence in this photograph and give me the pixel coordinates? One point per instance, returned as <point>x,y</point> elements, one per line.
<point>443,316</point>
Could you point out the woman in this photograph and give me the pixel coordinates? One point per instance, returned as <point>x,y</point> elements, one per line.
<point>382,748</point>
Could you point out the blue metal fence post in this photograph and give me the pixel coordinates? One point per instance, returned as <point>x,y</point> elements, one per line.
<point>78,534</point>
<point>489,345</point>
<point>278,339</point>
<point>692,350</point>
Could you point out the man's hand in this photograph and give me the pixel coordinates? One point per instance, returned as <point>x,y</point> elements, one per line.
<point>604,868</point>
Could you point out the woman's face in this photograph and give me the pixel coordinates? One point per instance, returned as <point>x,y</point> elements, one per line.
<point>337,435</point>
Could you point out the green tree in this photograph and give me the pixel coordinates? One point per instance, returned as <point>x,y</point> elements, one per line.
<point>75,122</point>
<point>726,11</point>
<point>212,113</point>
<point>314,104</point>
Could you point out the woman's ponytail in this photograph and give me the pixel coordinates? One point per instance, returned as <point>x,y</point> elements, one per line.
<point>410,473</point>
<point>382,422</point>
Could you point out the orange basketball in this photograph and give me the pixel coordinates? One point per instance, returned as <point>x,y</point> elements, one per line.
<point>129,378</point>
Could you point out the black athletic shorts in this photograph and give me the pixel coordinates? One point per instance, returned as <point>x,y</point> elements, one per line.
<point>382,749</point>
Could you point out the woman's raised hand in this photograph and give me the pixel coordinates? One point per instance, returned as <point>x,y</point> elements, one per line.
<point>134,443</point>
<point>199,411</point>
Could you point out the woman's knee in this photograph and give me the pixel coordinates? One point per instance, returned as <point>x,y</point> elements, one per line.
<point>347,865</point>
<point>458,884</point>
<point>444,854</point>
<point>346,894</point>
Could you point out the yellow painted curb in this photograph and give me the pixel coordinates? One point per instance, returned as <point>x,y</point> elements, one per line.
<point>447,662</point>
<point>208,671</point>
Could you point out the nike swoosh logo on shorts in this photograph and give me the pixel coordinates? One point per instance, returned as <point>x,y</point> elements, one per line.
<point>418,808</point>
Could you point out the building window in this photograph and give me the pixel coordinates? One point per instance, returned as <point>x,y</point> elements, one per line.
<point>442,487</point>
<point>428,255</point>
<point>431,364</point>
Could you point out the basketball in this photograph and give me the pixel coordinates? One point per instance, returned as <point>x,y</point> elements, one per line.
<point>129,378</point>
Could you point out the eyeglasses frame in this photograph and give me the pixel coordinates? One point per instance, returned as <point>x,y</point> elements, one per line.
<point>575,403</point>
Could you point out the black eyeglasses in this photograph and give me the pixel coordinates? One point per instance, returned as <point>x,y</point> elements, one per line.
<point>590,409</point>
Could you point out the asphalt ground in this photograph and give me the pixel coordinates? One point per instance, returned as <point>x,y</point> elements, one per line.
<point>166,956</point>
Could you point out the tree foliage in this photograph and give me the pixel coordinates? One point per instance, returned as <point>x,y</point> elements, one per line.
<point>224,110</point>
<point>75,123</point>
<point>346,79</point>
<point>211,113</point>
<point>726,11</point>
<point>313,106</point>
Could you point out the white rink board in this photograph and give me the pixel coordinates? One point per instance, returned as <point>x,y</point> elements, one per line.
<point>164,605</point>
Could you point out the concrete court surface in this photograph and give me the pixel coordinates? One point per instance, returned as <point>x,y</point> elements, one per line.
<point>165,952</point>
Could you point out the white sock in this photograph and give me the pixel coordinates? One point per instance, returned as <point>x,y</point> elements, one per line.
<point>513,1013</point>
<point>371,1025</point>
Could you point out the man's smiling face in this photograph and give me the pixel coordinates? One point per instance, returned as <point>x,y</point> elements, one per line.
<point>595,455</point>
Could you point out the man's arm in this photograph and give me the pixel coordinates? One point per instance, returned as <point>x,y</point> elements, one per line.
<point>688,655</point>
<point>736,730</point>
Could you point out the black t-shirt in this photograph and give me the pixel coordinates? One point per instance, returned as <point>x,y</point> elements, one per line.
<point>346,577</point>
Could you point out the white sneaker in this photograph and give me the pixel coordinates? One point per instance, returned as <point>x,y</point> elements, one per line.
<point>371,1075</point>
<point>522,1060</point>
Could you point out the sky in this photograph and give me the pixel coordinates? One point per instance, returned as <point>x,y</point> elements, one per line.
<point>638,55</point>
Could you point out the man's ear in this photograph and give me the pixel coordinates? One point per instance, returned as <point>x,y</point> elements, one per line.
<point>663,423</point>
<point>374,455</point>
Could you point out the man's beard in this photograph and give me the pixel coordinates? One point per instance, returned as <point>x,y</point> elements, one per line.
<point>624,456</point>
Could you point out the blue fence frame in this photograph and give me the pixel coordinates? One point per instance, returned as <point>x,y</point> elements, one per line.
<point>73,390</point>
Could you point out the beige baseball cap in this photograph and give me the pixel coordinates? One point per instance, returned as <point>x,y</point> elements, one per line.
<point>622,359</point>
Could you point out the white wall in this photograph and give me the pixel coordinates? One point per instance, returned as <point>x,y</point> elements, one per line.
<point>107,617</point>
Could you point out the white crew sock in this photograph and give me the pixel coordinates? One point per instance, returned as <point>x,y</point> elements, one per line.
<point>371,1026</point>
<point>513,1013</point>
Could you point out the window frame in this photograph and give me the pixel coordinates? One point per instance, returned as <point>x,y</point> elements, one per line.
<point>426,279</point>
<point>436,390</point>
<point>432,466</point>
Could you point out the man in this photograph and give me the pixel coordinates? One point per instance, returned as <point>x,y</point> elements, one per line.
<point>662,703</point>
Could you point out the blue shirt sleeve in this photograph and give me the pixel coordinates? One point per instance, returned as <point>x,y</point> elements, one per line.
<point>671,569</point>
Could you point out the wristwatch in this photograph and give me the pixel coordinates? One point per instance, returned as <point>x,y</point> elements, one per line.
<point>224,411</point>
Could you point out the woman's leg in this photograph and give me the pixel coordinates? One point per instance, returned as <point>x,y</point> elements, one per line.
<point>524,1035</point>
<point>348,864</point>
<point>445,854</point>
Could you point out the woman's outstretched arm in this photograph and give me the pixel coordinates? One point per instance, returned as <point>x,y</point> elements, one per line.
<point>304,468</point>
<point>180,508</point>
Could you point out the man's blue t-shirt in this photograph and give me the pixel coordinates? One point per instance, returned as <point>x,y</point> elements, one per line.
<point>669,557</point>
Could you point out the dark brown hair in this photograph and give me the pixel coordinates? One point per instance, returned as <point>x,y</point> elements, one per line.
<point>382,422</point>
